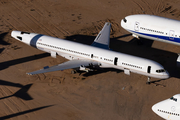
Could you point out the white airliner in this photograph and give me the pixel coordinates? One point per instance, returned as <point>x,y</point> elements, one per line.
<point>153,27</point>
<point>168,109</point>
<point>85,57</point>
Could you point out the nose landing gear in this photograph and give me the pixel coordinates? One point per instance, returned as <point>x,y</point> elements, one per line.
<point>148,81</point>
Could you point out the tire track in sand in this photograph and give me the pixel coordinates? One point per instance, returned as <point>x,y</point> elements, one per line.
<point>139,5</point>
<point>34,18</point>
<point>145,6</point>
<point>11,19</point>
<point>31,18</point>
<point>39,9</point>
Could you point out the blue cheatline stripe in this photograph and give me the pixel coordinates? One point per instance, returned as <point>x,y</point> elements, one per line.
<point>177,40</point>
<point>34,40</point>
<point>99,45</point>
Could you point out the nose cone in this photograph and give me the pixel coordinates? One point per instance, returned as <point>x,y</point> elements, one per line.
<point>162,108</point>
<point>166,75</point>
<point>122,24</point>
<point>154,108</point>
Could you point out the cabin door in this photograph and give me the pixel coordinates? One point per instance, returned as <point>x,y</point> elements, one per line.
<point>91,55</point>
<point>136,26</point>
<point>171,34</point>
<point>149,69</point>
<point>115,60</point>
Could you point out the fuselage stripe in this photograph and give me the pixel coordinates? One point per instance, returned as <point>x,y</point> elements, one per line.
<point>158,36</point>
<point>34,40</point>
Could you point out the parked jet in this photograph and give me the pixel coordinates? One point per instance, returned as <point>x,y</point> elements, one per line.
<point>168,109</point>
<point>85,57</point>
<point>154,28</point>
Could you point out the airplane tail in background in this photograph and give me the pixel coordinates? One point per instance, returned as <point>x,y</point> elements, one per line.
<point>103,38</point>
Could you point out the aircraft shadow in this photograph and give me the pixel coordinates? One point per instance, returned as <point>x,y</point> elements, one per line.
<point>144,50</point>
<point>142,41</point>
<point>24,112</point>
<point>2,36</point>
<point>22,93</point>
<point>98,71</point>
<point>6,83</point>
<point>6,64</point>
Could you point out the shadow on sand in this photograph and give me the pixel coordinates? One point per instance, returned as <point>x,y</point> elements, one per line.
<point>6,64</point>
<point>98,71</point>
<point>24,112</point>
<point>22,93</point>
<point>2,36</point>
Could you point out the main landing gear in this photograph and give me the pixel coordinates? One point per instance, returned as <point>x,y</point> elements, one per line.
<point>178,60</point>
<point>73,72</point>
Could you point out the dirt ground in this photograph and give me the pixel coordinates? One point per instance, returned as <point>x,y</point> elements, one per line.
<point>99,95</point>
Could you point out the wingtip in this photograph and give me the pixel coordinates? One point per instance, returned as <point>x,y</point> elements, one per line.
<point>108,23</point>
<point>29,74</point>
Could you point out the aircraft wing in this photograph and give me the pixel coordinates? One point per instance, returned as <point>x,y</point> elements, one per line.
<point>102,39</point>
<point>66,65</point>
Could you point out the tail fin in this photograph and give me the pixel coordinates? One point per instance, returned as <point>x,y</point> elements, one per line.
<point>102,39</point>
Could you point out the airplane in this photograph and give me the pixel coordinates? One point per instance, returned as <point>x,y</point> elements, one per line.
<point>86,57</point>
<point>168,109</point>
<point>154,28</point>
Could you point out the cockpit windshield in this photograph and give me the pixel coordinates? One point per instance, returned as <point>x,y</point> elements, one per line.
<point>160,71</point>
<point>125,20</point>
<point>174,99</point>
<point>25,32</point>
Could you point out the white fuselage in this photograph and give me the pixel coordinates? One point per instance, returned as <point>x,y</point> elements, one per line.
<point>153,27</point>
<point>106,58</point>
<point>168,109</point>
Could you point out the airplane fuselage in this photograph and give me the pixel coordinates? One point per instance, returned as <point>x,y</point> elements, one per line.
<point>153,27</point>
<point>105,58</point>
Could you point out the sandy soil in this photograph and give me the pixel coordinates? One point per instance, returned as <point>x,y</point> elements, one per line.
<point>100,95</point>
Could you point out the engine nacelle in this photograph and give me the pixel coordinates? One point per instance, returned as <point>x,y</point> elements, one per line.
<point>83,68</point>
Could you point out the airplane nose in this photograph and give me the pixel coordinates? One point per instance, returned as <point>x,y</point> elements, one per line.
<point>154,108</point>
<point>167,74</point>
<point>122,23</point>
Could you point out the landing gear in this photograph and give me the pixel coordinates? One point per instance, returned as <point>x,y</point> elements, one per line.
<point>178,60</point>
<point>73,71</point>
<point>148,81</point>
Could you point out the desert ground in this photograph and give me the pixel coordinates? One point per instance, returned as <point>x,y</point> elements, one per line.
<point>99,95</point>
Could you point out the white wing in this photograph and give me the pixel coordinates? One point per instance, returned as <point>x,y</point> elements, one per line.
<point>66,65</point>
<point>102,39</point>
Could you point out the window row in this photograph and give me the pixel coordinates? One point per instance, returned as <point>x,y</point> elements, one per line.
<point>108,59</point>
<point>152,30</point>
<point>131,65</point>
<point>168,112</point>
<point>63,49</point>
